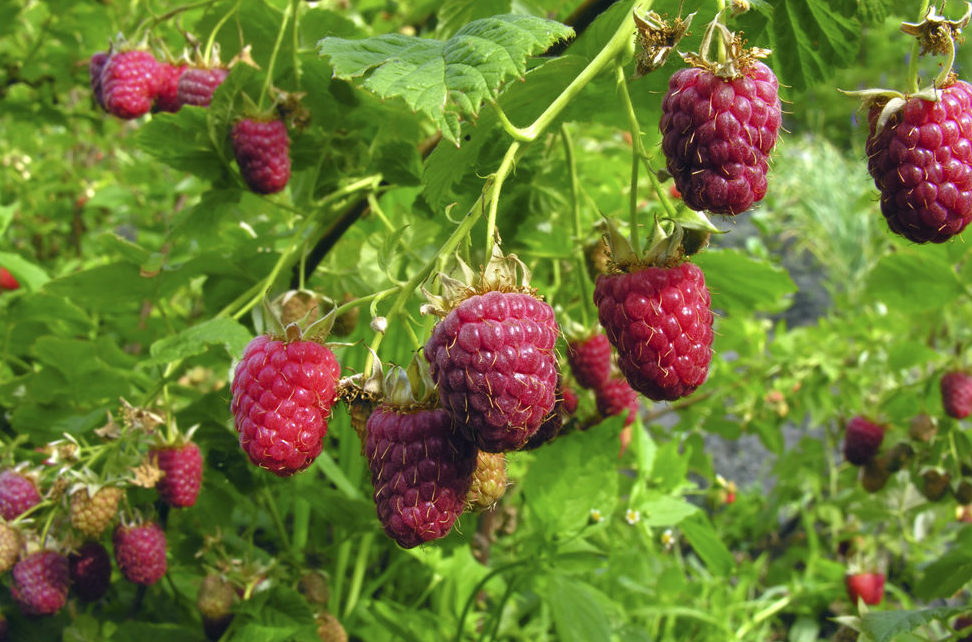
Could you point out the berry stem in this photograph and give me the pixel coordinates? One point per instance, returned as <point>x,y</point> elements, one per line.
<point>509,158</point>
<point>294,5</point>
<point>581,268</point>
<point>207,52</point>
<point>301,524</point>
<point>340,569</point>
<point>477,589</point>
<point>275,515</point>
<point>636,152</point>
<point>357,576</point>
<point>151,21</point>
<point>915,53</point>
<point>273,55</point>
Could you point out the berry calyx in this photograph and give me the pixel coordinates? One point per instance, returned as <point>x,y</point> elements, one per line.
<point>956,390</point>
<point>282,398</point>
<point>262,149</point>
<point>40,583</point>
<point>140,552</point>
<point>182,465</point>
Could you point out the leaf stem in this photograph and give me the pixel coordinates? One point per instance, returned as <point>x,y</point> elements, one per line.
<point>506,166</point>
<point>635,155</point>
<point>273,56</point>
<point>357,576</point>
<point>915,53</point>
<point>207,52</point>
<point>581,266</point>
<point>151,21</point>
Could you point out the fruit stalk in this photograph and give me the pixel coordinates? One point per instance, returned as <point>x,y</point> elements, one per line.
<point>273,54</point>
<point>915,51</point>
<point>585,292</point>
<point>219,25</point>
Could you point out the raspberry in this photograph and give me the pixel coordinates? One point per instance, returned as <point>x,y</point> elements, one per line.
<point>866,586</point>
<point>214,600</point>
<point>90,571</point>
<point>197,84</point>
<point>421,469</point>
<point>7,280</point>
<point>40,583</point>
<point>183,468</point>
<point>660,322</point>
<point>282,398</point>
<point>862,440</point>
<point>934,484</point>
<point>590,360</point>
<point>92,515</point>
<point>957,394</point>
<point>717,134</point>
<point>167,83</point>
<point>262,149</point>
<point>129,83</point>
<point>140,552</point>
<point>488,482</point>
<point>330,629</point>
<point>493,360</point>
<point>614,397</point>
<point>921,161</point>
<point>95,67</point>
<point>570,400</point>
<point>10,544</point>
<point>554,422</point>
<point>17,494</point>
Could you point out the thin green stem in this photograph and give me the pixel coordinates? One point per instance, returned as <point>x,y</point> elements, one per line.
<point>636,153</point>
<point>151,21</point>
<point>208,51</point>
<point>344,552</point>
<point>912,82</point>
<point>47,527</point>
<point>295,7</point>
<point>275,516</point>
<point>357,576</point>
<point>581,266</point>
<point>273,56</point>
<point>479,587</point>
<point>506,166</point>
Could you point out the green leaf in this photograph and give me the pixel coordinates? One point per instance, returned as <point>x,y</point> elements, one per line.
<point>946,575</point>
<point>812,39</point>
<point>913,281</point>
<point>181,141</point>
<point>576,614</point>
<point>27,274</point>
<point>195,339</point>
<point>740,283</point>
<point>441,78</point>
<point>453,14</point>
<point>884,626</point>
<point>6,215</point>
<point>706,543</point>
<point>665,511</point>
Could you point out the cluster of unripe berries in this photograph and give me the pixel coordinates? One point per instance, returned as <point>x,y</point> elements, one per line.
<point>43,573</point>
<point>129,83</point>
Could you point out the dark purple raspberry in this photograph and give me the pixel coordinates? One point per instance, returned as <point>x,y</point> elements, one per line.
<point>40,583</point>
<point>129,83</point>
<point>197,84</point>
<point>921,161</point>
<point>167,82</point>
<point>183,468</point>
<point>262,151</point>
<point>90,570</point>
<point>95,67</point>
<point>957,394</point>
<point>140,552</point>
<point>717,134</point>
<point>17,494</point>
<point>492,358</point>
<point>421,469</point>
<point>862,440</point>
<point>554,422</point>
<point>660,322</point>
<point>282,398</point>
<point>590,360</point>
<point>614,397</point>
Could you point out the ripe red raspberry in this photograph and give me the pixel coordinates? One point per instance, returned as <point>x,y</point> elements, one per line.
<point>590,360</point>
<point>262,149</point>
<point>660,322</point>
<point>570,400</point>
<point>183,468</point>
<point>95,67</point>
<point>957,394</point>
<point>862,440</point>
<point>40,583</point>
<point>492,358</point>
<point>140,552</point>
<point>17,494</point>
<point>129,83</point>
<point>421,469</point>
<point>197,84</point>
<point>614,397</point>
<point>282,398</point>
<point>90,571</point>
<point>10,544</point>
<point>7,280</point>
<point>92,515</point>
<point>167,83</point>
<point>717,134</point>
<point>867,586</point>
<point>921,161</point>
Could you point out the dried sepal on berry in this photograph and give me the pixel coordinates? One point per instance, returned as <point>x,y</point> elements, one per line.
<point>937,34</point>
<point>656,39</point>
